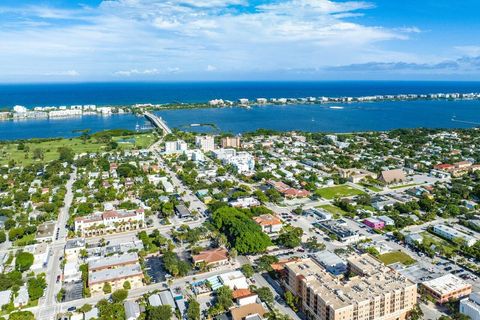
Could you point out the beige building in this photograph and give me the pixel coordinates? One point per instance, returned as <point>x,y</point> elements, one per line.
<point>447,287</point>
<point>230,142</point>
<point>108,222</point>
<point>373,292</point>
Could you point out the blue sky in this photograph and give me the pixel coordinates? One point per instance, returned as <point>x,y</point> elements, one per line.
<point>162,40</point>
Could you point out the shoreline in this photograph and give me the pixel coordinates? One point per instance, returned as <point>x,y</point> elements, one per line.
<point>64,112</point>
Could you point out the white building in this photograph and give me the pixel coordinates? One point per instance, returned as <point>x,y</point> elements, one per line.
<point>20,109</point>
<point>167,185</point>
<point>387,220</point>
<point>245,202</point>
<point>451,234</point>
<point>178,146</point>
<point>205,143</point>
<point>244,162</point>
<point>471,306</point>
<point>101,223</point>
<point>234,280</point>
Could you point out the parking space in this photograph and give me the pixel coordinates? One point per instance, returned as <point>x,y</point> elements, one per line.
<point>73,291</point>
<point>155,270</point>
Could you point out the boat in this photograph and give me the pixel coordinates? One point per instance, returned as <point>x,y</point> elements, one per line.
<point>337,107</point>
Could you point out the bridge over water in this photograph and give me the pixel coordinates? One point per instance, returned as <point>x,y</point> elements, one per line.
<point>157,122</point>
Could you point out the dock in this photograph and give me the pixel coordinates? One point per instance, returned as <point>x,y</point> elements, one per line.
<point>157,122</point>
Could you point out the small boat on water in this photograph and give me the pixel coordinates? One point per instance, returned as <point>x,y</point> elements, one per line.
<point>337,107</point>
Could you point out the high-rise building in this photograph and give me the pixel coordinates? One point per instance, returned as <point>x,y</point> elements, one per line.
<point>372,291</point>
<point>178,146</point>
<point>230,142</point>
<point>205,143</point>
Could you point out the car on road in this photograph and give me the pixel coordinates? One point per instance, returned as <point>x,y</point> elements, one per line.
<point>72,309</point>
<point>58,278</point>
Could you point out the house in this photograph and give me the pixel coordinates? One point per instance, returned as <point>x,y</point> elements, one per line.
<point>269,223</point>
<point>212,257</point>
<point>132,310</point>
<point>392,176</point>
<point>374,223</point>
<point>251,311</point>
<point>245,202</point>
<point>5,297</point>
<point>182,211</point>
<point>154,300</point>
<point>387,220</point>
<point>234,280</point>
<point>244,296</point>
<point>355,175</point>
<point>288,191</point>
<point>413,238</point>
<point>45,231</point>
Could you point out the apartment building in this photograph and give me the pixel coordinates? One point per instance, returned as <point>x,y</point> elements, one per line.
<point>172,147</point>
<point>114,270</point>
<point>101,223</point>
<point>230,142</point>
<point>374,292</point>
<point>451,234</point>
<point>205,143</point>
<point>447,287</point>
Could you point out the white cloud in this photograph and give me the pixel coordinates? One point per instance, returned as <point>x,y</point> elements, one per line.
<point>229,35</point>
<point>68,73</point>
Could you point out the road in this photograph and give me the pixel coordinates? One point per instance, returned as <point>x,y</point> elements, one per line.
<point>56,252</point>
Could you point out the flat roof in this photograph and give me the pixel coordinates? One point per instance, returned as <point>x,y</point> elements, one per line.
<point>446,284</point>
<point>106,262</point>
<point>113,274</point>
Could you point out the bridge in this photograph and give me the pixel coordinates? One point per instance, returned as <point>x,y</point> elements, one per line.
<point>157,122</point>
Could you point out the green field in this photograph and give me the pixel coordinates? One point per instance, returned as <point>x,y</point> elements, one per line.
<point>371,187</point>
<point>334,210</point>
<point>404,186</point>
<point>396,256</point>
<point>9,151</point>
<point>338,192</point>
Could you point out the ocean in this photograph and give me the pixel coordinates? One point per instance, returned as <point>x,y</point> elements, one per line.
<point>352,117</point>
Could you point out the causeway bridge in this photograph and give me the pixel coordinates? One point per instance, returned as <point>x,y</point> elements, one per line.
<point>157,122</point>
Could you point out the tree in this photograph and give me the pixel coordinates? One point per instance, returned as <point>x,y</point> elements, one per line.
<point>266,295</point>
<point>3,236</point>
<point>224,297</point>
<point>36,286</point>
<point>264,263</point>
<point>21,315</point>
<point>193,309</point>
<point>290,237</point>
<point>126,285</point>
<point>38,154</point>
<point>85,308</point>
<point>119,295</point>
<point>291,301</point>
<point>107,288</point>
<point>159,313</point>
<point>66,154</point>
<point>23,261</point>
<point>247,270</point>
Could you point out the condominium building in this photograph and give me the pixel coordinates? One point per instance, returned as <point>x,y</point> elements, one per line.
<point>451,234</point>
<point>374,292</point>
<point>109,222</point>
<point>471,306</point>
<point>178,146</point>
<point>205,143</point>
<point>115,270</point>
<point>230,142</point>
<point>447,287</point>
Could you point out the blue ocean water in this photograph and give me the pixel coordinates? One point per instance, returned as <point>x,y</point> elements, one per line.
<point>353,117</point>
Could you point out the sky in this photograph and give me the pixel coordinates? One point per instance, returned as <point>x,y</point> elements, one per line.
<point>218,40</point>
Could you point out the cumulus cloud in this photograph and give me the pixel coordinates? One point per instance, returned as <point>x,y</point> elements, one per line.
<point>229,35</point>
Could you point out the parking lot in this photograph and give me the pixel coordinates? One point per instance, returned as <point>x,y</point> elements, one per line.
<point>73,291</point>
<point>155,269</point>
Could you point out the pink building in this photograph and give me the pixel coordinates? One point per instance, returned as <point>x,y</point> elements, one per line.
<point>374,223</point>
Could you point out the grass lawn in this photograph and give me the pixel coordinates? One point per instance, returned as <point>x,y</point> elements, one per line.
<point>396,256</point>
<point>8,151</point>
<point>430,239</point>
<point>25,240</point>
<point>404,186</point>
<point>370,187</point>
<point>338,192</point>
<point>334,210</point>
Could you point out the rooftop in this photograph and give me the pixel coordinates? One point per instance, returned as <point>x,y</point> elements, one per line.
<point>114,274</point>
<point>111,261</point>
<point>446,284</point>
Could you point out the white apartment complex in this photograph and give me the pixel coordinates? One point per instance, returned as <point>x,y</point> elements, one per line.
<point>205,143</point>
<point>451,234</point>
<point>172,147</point>
<point>109,221</point>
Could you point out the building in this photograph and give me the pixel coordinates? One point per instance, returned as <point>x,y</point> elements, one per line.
<point>243,162</point>
<point>413,238</point>
<point>320,213</point>
<point>471,306</point>
<point>269,223</point>
<point>112,262</point>
<point>253,311</point>
<point>447,287</point>
<point>287,191</point>
<point>246,202</point>
<point>22,297</point>
<point>211,258</point>
<point>205,143</point>
<point>387,220</point>
<point>230,142</point>
<point>234,280</point>
<point>377,292</point>
<point>132,310</point>
<point>244,296</point>
<point>331,262</point>
<point>45,232</point>
<point>451,234</point>
<point>5,297</point>
<point>109,222</point>
<point>374,223</point>
<point>182,211</point>
<point>355,175</point>
<point>154,300</point>
<point>392,176</point>
<point>343,234</point>
<point>116,277</point>
<point>172,147</point>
